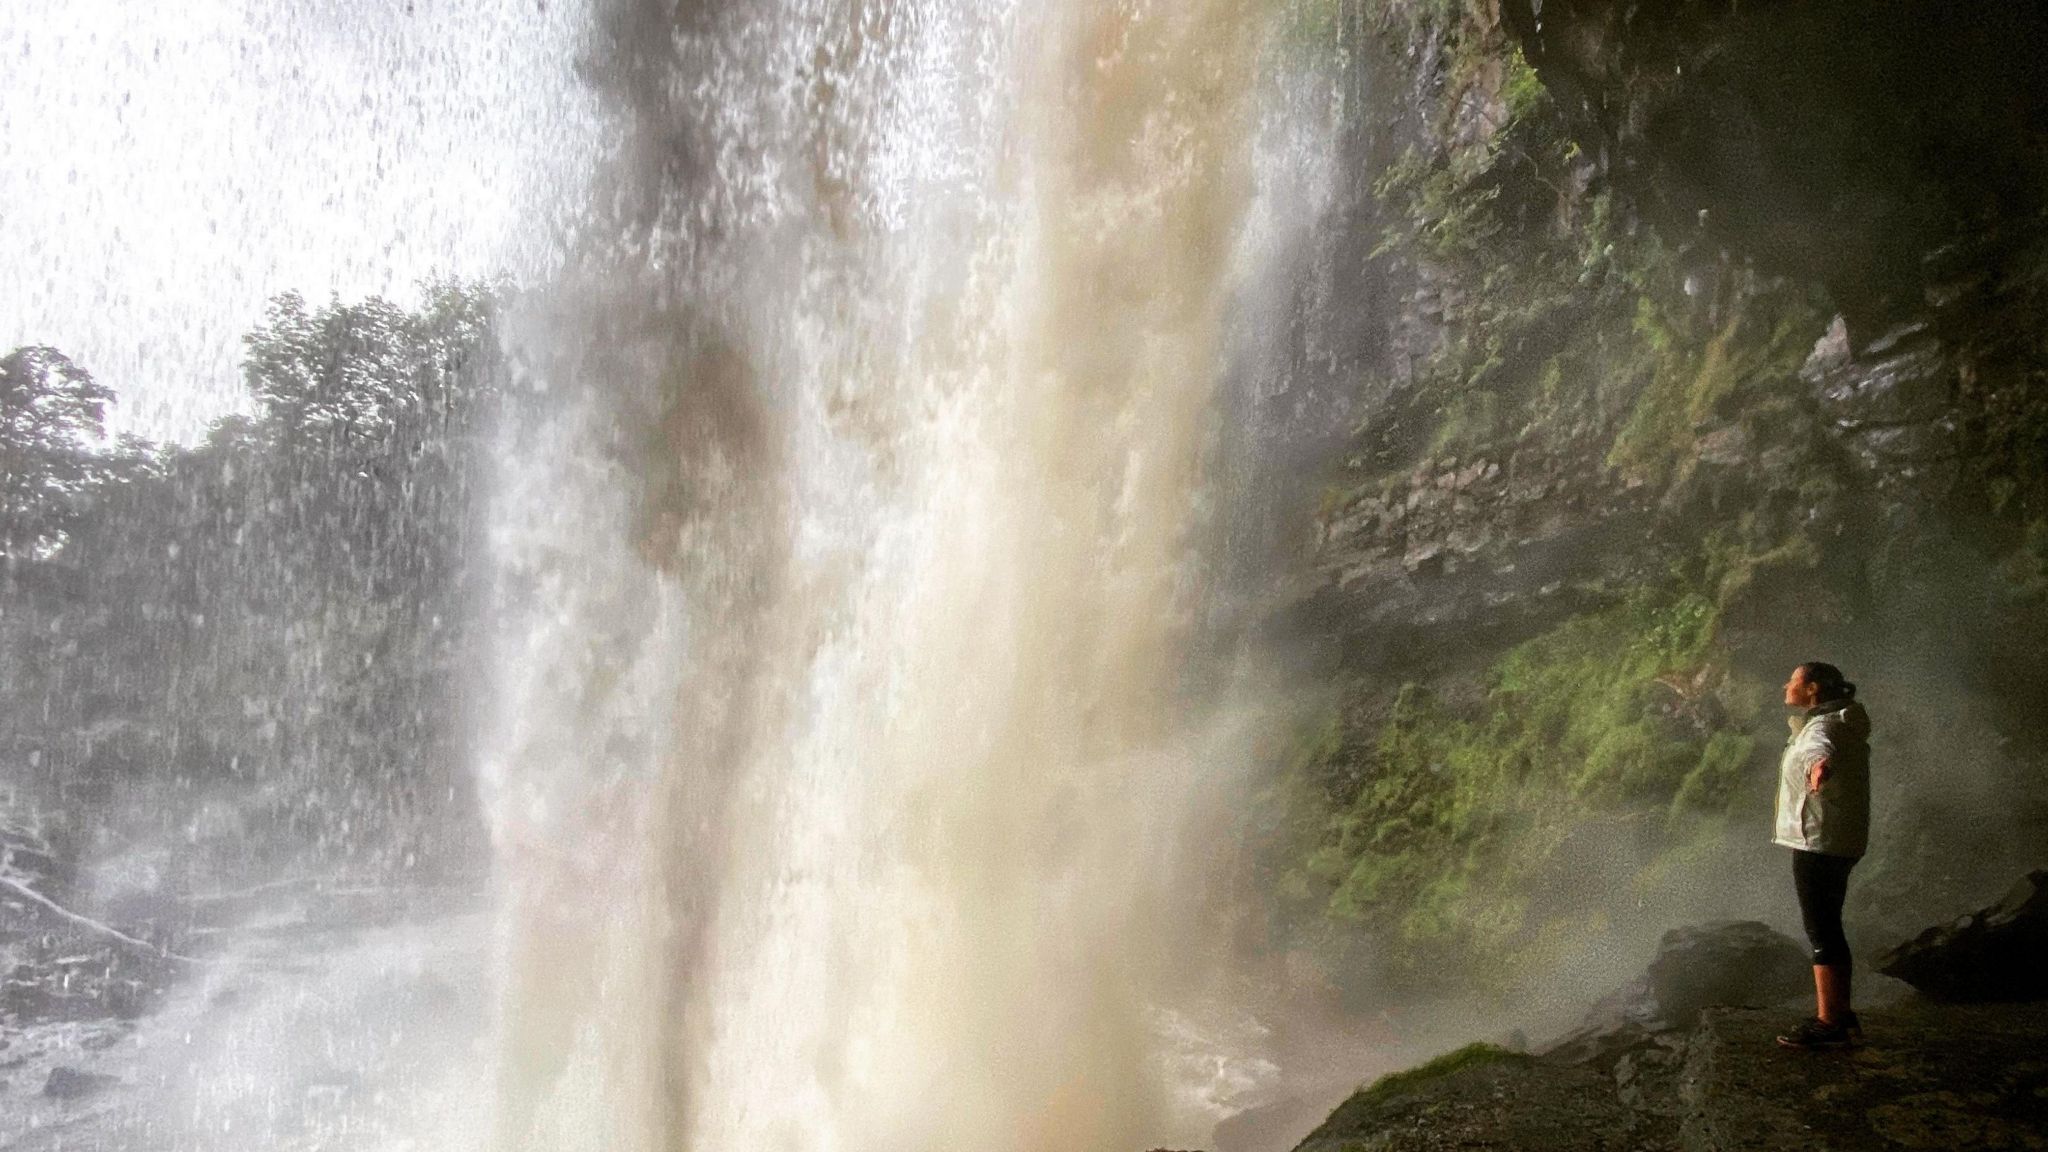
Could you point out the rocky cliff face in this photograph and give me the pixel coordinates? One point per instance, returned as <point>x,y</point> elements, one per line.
<point>1836,142</point>
<point>1710,341</point>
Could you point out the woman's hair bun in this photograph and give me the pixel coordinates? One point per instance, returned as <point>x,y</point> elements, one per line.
<point>1829,679</point>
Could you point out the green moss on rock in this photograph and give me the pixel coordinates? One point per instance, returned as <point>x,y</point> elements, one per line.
<point>1430,822</point>
<point>1395,1083</point>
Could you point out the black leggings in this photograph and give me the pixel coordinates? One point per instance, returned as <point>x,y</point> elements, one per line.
<point>1823,882</point>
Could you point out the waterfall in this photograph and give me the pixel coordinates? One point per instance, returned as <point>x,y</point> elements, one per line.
<point>849,545</point>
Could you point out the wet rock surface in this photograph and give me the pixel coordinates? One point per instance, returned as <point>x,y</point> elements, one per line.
<point>56,966</point>
<point>189,1029</point>
<point>1879,503</point>
<point>1486,550</point>
<point>1739,962</point>
<point>1929,1076</point>
<point>1665,1064</point>
<point>238,1054</point>
<point>67,1083</point>
<point>1723,964</point>
<point>1998,953</point>
<point>1805,134</point>
<point>1495,1099</point>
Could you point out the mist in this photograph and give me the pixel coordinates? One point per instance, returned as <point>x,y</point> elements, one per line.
<point>757,573</point>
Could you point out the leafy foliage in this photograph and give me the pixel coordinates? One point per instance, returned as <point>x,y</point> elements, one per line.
<point>52,418</point>
<point>255,645</point>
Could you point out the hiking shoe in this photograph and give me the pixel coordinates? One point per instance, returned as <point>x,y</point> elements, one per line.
<point>1819,1034</point>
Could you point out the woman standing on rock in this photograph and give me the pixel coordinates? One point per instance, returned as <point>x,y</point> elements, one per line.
<point>1824,817</point>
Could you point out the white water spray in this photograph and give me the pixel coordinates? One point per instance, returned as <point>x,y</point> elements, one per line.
<point>848,561</point>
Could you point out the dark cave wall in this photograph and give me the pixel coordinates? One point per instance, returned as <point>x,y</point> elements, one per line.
<point>1861,145</point>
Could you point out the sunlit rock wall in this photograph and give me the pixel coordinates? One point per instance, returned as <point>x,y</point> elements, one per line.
<point>1712,347</point>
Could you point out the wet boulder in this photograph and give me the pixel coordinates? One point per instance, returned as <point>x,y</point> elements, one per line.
<point>1727,963</point>
<point>71,1084</point>
<point>1994,954</point>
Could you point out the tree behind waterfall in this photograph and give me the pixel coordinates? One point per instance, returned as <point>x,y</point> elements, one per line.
<point>258,656</point>
<point>52,420</point>
<point>366,551</point>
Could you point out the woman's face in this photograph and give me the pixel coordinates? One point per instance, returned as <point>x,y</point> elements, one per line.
<point>1799,691</point>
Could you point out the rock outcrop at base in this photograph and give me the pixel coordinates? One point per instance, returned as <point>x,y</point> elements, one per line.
<point>1952,1077</point>
<point>1660,1067</point>
<point>1961,1078</point>
<point>67,1083</point>
<point>1729,963</point>
<point>1486,1097</point>
<point>56,965</point>
<point>1997,954</point>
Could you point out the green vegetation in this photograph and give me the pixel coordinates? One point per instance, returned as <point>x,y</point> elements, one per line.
<point>1437,821</point>
<point>1356,1111</point>
<point>1763,339</point>
<point>1624,362</point>
<point>52,412</point>
<point>1428,824</point>
<point>1470,1056</point>
<point>1557,310</point>
<point>1564,319</point>
<point>254,647</point>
